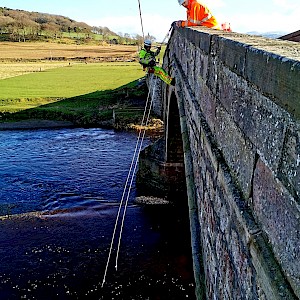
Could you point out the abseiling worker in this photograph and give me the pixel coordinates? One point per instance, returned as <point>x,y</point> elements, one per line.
<point>147,60</point>
<point>198,14</point>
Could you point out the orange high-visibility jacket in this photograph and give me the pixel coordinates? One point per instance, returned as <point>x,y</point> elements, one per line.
<point>199,15</point>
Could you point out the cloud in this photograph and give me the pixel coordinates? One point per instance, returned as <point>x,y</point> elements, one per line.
<point>261,22</point>
<point>282,16</point>
<point>156,25</point>
<point>285,3</point>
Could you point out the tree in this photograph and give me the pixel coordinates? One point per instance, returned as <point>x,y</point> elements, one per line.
<point>51,30</point>
<point>139,39</point>
<point>150,37</point>
<point>97,30</point>
<point>5,23</point>
<point>127,37</point>
<point>22,25</point>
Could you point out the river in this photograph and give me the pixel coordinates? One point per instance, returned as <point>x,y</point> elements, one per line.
<point>61,190</point>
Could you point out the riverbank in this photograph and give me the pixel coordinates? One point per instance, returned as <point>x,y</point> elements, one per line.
<point>120,109</point>
<point>155,125</point>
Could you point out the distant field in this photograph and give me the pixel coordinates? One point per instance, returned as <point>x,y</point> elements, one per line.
<point>22,58</point>
<point>84,91</point>
<point>12,69</point>
<point>37,50</point>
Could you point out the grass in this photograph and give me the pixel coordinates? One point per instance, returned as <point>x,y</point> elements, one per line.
<point>75,89</point>
<point>85,94</point>
<point>69,81</point>
<point>12,69</point>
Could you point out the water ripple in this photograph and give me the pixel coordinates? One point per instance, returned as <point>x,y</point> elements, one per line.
<point>63,168</point>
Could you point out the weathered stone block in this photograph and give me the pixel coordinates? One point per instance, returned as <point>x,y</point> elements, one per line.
<point>207,102</point>
<point>213,75</point>
<point>238,152</point>
<point>157,104</point>
<point>269,278</point>
<point>277,77</point>
<point>290,166</point>
<point>278,214</point>
<point>262,121</point>
<point>205,42</point>
<point>232,54</point>
<point>201,65</point>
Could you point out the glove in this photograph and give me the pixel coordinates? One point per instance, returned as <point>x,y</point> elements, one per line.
<point>176,24</point>
<point>152,63</point>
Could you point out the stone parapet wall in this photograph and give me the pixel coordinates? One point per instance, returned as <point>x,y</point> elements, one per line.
<point>239,107</point>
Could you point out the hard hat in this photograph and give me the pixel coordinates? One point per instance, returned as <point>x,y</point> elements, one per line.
<point>147,43</point>
<point>180,2</point>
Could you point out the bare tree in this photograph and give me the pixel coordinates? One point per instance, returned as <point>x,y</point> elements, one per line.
<point>139,39</point>
<point>5,23</point>
<point>51,30</point>
<point>127,37</point>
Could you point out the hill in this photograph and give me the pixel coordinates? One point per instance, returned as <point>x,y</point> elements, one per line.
<point>271,35</point>
<point>20,25</point>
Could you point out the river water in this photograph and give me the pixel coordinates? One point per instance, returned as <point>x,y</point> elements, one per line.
<point>61,190</point>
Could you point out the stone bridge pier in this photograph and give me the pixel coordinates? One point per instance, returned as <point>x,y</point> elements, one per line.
<point>231,153</point>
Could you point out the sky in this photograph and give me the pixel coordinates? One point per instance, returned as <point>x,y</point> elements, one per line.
<point>123,16</point>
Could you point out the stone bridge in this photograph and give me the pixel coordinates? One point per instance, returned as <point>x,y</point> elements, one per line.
<point>231,152</point>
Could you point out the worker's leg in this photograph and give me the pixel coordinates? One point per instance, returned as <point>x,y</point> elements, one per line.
<point>162,74</point>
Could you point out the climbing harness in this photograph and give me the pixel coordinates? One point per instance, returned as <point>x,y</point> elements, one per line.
<point>127,188</point>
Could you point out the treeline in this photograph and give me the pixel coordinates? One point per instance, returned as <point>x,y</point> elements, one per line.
<point>20,25</point>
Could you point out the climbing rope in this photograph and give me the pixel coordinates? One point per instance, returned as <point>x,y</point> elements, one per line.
<point>131,173</point>
<point>141,19</point>
<point>166,36</point>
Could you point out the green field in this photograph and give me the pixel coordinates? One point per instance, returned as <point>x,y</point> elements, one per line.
<point>69,81</point>
<point>83,93</point>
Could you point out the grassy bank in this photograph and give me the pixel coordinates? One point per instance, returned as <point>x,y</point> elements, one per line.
<point>85,94</point>
<point>69,81</point>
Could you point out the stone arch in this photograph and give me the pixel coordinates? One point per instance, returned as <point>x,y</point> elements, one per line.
<point>173,137</point>
<point>161,170</point>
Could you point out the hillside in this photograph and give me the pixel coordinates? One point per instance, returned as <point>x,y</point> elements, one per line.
<point>20,25</point>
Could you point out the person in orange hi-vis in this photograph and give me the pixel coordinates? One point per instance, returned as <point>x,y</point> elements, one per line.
<point>198,14</point>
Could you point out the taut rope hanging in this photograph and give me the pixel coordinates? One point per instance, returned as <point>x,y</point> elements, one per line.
<point>131,173</point>
<point>132,177</point>
<point>141,19</point>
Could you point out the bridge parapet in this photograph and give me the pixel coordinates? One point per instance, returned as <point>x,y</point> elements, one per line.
<point>239,112</point>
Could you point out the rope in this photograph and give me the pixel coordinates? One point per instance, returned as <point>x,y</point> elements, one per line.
<point>141,19</point>
<point>167,35</point>
<point>134,163</point>
<point>135,167</point>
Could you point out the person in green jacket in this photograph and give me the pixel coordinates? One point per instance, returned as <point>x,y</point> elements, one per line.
<point>147,60</point>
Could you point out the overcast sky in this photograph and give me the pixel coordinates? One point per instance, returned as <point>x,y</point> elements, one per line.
<point>123,16</point>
